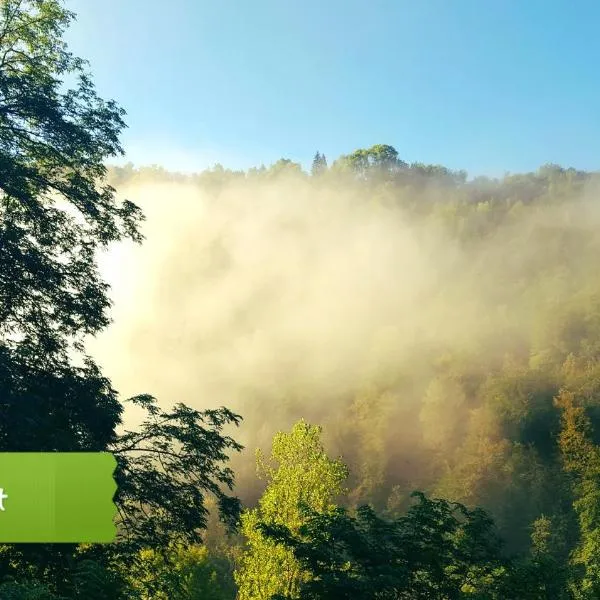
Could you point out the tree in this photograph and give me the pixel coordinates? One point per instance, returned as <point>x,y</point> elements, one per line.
<point>54,216</point>
<point>298,473</point>
<point>26,591</point>
<point>546,570</point>
<point>581,458</point>
<point>165,471</point>
<point>319,165</point>
<point>377,162</point>
<point>90,581</point>
<point>56,213</point>
<point>284,167</point>
<point>437,550</point>
<point>383,156</point>
<point>181,573</point>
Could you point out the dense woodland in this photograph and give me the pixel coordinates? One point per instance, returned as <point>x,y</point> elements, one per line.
<point>472,470</point>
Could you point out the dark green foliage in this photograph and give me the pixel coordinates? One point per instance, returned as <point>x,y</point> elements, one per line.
<point>53,217</point>
<point>166,469</point>
<point>88,580</point>
<point>436,550</point>
<point>93,581</point>
<point>27,591</point>
<point>58,406</point>
<point>52,146</point>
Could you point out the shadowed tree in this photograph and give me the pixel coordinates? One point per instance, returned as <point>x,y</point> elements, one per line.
<point>437,550</point>
<point>54,216</point>
<point>56,213</point>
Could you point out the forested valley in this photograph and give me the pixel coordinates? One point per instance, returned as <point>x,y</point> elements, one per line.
<point>368,379</point>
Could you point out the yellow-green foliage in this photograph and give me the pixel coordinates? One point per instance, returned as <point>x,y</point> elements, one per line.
<point>298,473</point>
<point>181,572</point>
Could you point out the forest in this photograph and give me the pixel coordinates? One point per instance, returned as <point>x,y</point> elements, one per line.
<point>370,379</point>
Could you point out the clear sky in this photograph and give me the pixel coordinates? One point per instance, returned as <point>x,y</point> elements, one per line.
<point>485,85</point>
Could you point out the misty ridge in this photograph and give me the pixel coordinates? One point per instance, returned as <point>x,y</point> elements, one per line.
<point>387,311</point>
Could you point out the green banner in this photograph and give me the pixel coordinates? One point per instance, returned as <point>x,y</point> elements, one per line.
<point>56,497</point>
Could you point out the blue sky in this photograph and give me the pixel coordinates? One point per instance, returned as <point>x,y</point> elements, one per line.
<point>485,85</point>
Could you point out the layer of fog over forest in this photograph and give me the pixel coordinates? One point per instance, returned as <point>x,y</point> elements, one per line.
<point>286,297</point>
<point>416,353</point>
